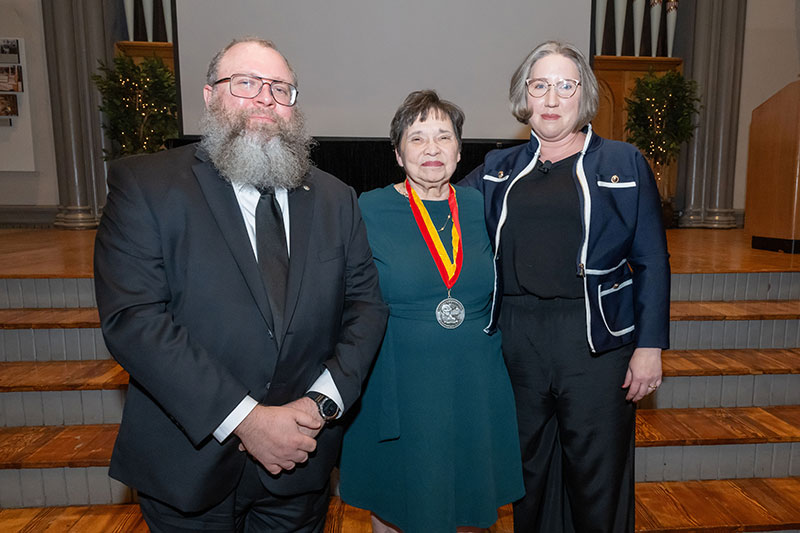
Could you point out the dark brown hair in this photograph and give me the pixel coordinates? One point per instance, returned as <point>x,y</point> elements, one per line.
<point>418,105</point>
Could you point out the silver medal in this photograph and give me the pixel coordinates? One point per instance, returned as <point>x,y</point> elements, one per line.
<point>450,313</point>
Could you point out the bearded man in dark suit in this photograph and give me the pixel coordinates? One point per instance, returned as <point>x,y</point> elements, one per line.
<point>236,286</point>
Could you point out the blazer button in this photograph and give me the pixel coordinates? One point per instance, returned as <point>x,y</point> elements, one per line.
<point>269,384</point>
<point>616,286</point>
<point>614,179</point>
<point>271,335</point>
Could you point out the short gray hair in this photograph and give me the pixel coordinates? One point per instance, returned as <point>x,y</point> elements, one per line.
<point>518,91</point>
<point>213,66</point>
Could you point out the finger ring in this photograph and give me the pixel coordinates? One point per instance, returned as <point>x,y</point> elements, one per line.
<point>652,387</point>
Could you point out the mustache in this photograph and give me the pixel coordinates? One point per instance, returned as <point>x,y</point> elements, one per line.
<point>263,113</point>
<point>238,121</point>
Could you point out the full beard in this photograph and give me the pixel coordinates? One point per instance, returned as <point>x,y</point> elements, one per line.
<point>264,155</point>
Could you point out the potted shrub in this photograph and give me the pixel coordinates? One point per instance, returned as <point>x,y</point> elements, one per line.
<point>661,110</point>
<point>140,105</point>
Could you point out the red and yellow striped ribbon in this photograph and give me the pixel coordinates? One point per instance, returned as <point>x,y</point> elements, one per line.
<point>448,269</point>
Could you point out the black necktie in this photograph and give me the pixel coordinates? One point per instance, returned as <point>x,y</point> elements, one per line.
<point>273,257</point>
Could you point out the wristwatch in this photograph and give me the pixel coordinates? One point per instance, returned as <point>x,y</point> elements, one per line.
<point>328,409</point>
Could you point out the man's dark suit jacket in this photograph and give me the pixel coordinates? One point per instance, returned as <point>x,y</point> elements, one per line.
<point>184,310</point>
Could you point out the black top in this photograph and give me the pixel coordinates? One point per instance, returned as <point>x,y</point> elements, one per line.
<point>542,233</point>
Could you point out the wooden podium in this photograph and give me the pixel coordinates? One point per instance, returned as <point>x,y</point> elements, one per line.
<point>772,209</point>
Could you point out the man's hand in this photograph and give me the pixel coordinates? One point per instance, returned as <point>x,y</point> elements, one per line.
<point>309,406</point>
<point>275,436</point>
<point>644,373</point>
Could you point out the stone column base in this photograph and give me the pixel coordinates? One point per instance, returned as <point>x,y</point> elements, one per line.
<point>720,219</point>
<point>708,218</point>
<point>73,217</point>
<point>691,218</point>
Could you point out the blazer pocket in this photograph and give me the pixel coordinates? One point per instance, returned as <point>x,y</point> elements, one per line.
<point>615,299</point>
<point>330,254</point>
<point>496,175</point>
<point>616,181</point>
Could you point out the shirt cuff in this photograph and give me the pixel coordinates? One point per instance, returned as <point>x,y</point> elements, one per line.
<point>326,386</point>
<point>233,420</point>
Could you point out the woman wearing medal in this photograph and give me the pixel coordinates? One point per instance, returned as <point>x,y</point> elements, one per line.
<point>432,447</point>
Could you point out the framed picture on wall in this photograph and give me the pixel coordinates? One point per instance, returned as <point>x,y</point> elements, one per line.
<point>8,105</point>
<point>9,50</point>
<point>11,78</point>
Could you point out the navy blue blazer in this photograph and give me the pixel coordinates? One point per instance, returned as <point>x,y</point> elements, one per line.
<point>623,257</point>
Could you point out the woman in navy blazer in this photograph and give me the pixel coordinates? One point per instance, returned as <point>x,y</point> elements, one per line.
<point>581,295</point>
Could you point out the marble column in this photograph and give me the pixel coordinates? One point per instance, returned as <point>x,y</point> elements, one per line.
<point>708,166</point>
<point>78,33</point>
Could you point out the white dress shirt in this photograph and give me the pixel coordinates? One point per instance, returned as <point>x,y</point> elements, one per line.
<point>248,197</point>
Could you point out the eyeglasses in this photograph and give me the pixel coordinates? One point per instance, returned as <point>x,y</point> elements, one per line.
<point>538,87</point>
<point>244,86</point>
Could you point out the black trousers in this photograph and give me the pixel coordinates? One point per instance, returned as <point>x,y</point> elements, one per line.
<point>576,428</point>
<point>249,508</point>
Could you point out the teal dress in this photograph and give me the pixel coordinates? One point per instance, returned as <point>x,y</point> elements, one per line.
<point>433,443</point>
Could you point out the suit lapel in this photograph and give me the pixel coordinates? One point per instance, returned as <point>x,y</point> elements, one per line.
<point>225,209</point>
<point>301,214</point>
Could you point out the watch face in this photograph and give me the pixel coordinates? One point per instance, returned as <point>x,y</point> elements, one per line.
<point>329,408</point>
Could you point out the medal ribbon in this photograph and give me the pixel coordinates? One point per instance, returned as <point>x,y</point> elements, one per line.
<point>449,270</point>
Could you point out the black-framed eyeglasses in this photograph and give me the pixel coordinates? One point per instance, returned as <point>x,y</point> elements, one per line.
<point>246,86</point>
<point>538,87</point>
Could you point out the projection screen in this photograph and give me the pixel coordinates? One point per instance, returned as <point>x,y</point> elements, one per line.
<point>357,59</point>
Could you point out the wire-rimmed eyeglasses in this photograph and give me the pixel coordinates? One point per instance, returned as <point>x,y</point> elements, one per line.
<point>538,87</point>
<point>245,86</point>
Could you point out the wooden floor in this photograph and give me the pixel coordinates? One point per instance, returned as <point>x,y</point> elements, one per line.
<point>667,507</point>
<point>78,519</point>
<point>46,253</point>
<point>343,518</point>
<point>91,444</point>
<point>28,376</point>
<point>57,446</point>
<point>736,310</point>
<point>68,254</point>
<point>714,426</point>
<point>128,519</point>
<point>106,374</point>
<point>84,317</point>
<point>740,362</point>
<point>708,251</point>
<point>718,506</point>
